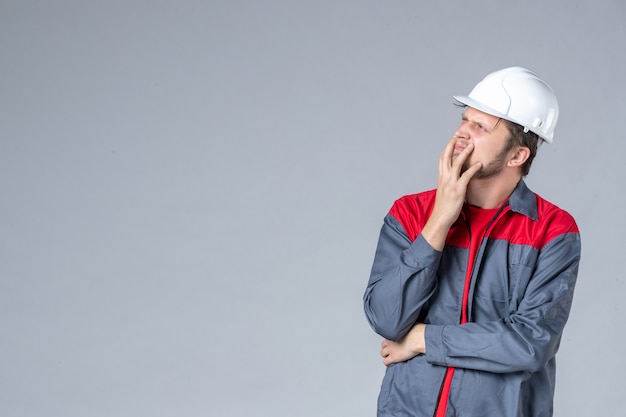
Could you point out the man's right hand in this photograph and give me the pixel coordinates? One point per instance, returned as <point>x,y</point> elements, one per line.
<point>451,190</point>
<point>413,344</point>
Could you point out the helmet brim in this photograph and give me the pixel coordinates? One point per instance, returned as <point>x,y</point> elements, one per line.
<point>468,101</point>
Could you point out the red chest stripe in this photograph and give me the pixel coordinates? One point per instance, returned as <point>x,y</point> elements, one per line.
<point>412,211</point>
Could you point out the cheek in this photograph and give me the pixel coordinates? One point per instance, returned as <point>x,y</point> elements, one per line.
<point>484,152</point>
<point>477,155</point>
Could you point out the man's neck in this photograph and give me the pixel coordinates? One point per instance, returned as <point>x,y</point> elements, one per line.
<point>491,192</point>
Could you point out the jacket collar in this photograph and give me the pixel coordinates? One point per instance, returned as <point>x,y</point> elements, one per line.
<point>524,201</point>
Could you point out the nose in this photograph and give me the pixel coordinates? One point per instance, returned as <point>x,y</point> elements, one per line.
<point>462,132</point>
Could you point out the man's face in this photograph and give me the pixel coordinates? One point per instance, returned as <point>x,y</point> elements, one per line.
<point>490,138</point>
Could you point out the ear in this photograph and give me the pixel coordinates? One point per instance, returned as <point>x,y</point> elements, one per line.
<point>519,156</point>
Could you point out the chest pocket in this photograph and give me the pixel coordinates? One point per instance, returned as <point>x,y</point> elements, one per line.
<point>500,281</point>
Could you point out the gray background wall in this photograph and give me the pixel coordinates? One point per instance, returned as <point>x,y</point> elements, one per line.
<point>191,192</point>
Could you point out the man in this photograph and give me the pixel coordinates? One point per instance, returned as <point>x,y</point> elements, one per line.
<point>472,283</point>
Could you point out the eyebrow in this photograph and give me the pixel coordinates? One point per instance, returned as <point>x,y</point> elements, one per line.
<point>483,123</point>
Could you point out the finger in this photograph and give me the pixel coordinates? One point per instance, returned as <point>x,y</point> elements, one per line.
<point>460,160</point>
<point>386,351</point>
<point>445,160</point>
<point>471,171</point>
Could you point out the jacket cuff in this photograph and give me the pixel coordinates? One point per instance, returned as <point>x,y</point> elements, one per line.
<point>421,255</point>
<point>435,348</point>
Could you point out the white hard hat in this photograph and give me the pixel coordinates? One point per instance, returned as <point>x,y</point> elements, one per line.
<point>518,95</point>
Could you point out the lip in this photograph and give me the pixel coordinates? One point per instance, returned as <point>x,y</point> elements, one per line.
<point>460,146</point>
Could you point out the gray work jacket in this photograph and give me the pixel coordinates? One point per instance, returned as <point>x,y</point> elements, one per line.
<point>520,295</point>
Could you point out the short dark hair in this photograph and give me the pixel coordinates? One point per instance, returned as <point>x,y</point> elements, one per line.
<point>529,140</point>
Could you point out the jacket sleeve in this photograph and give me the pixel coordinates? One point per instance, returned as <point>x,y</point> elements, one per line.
<point>529,337</point>
<point>403,278</point>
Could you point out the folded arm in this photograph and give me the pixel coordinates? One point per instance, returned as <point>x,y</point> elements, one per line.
<point>524,341</point>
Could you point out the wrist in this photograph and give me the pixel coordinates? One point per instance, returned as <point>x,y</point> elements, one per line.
<point>417,339</point>
<point>435,233</point>
<point>422,339</point>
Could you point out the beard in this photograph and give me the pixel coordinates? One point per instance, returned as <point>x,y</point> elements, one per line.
<point>490,169</point>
